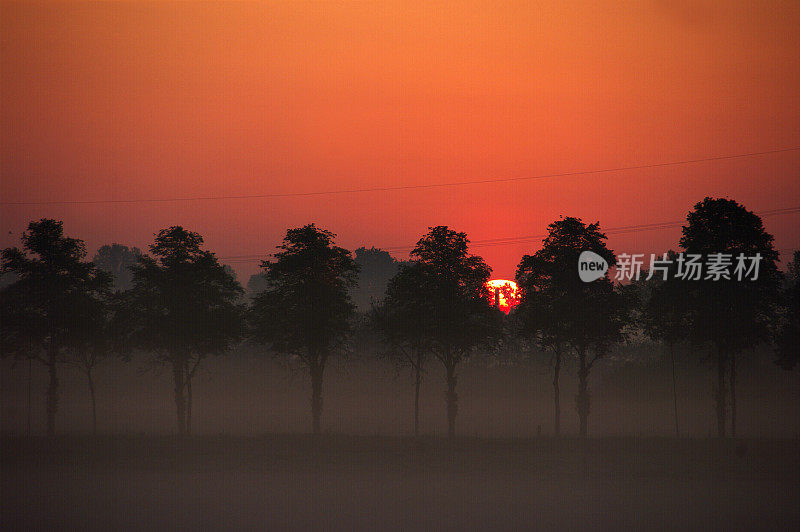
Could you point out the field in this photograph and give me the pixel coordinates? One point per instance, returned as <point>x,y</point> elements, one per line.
<point>276,482</point>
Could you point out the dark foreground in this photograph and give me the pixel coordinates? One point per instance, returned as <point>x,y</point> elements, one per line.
<point>291,482</point>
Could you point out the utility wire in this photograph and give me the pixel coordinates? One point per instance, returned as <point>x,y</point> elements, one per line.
<point>403,187</point>
<point>491,242</point>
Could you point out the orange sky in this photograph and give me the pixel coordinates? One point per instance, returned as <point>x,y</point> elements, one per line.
<point>143,100</point>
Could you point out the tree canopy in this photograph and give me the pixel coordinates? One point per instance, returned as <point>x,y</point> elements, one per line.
<point>788,332</point>
<point>728,312</point>
<point>54,302</point>
<point>117,260</point>
<point>452,299</point>
<point>305,309</point>
<point>563,311</point>
<point>376,267</point>
<point>184,305</point>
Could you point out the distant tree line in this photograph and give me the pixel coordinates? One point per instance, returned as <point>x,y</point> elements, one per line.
<point>312,299</point>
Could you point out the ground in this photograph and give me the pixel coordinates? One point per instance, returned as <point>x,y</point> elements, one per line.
<point>276,482</point>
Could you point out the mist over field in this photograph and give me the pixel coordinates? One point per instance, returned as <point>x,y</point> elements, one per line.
<point>247,392</point>
<point>252,464</point>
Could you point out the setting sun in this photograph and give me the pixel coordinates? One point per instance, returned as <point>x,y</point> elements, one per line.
<point>504,294</point>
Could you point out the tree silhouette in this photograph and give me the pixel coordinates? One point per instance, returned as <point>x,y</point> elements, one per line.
<point>404,321</point>
<point>376,267</point>
<point>460,315</point>
<point>730,314</point>
<point>183,307</point>
<point>117,260</point>
<point>17,344</point>
<point>665,316</point>
<point>305,310</point>
<point>255,285</point>
<point>788,336</point>
<point>95,341</point>
<point>51,306</point>
<point>564,312</point>
<point>539,317</point>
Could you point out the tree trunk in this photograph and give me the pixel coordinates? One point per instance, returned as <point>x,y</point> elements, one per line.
<point>721,392</point>
<point>188,404</point>
<point>316,396</point>
<point>733,395</point>
<point>583,393</point>
<point>52,390</point>
<point>92,397</point>
<point>452,400</point>
<point>557,394</point>
<point>674,388</point>
<point>180,402</point>
<point>30,363</point>
<point>417,382</point>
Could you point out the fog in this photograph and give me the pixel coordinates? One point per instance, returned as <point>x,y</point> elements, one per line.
<point>250,392</point>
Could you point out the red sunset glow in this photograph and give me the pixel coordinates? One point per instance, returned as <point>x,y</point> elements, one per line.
<point>127,101</point>
<point>503,293</point>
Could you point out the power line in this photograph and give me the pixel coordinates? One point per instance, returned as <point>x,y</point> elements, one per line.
<point>404,187</point>
<point>611,230</point>
<point>491,242</point>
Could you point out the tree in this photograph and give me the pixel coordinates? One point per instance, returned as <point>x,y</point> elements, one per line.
<point>665,316</point>
<point>730,314</point>
<point>255,285</point>
<point>403,321</point>
<point>459,312</point>
<point>788,334</point>
<point>49,308</point>
<point>565,313</point>
<point>538,316</point>
<point>376,267</point>
<point>95,342</point>
<point>117,260</point>
<point>183,306</point>
<point>25,351</point>
<point>305,310</point>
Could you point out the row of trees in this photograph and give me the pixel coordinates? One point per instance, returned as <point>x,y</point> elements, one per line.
<point>180,305</point>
